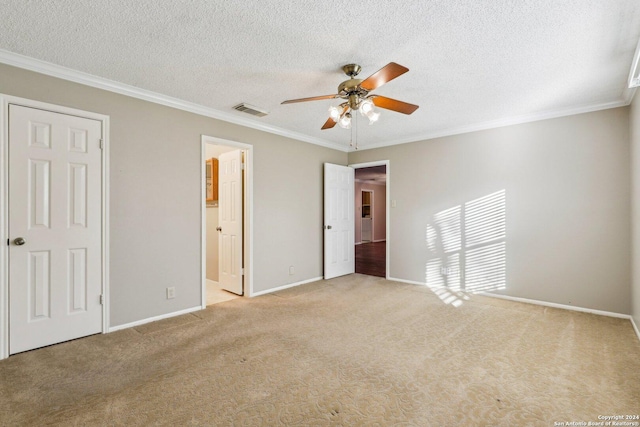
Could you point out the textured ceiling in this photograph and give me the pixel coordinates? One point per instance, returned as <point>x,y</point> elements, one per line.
<point>472,63</point>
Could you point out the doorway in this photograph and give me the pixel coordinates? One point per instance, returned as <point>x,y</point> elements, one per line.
<point>226,220</point>
<point>371,216</point>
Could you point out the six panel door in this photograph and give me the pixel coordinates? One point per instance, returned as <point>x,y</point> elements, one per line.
<point>55,229</point>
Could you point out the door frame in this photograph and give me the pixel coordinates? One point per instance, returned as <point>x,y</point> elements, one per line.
<point>247,230</point>
<point>371,193</point>
<point>386,163</point>
<point>5,101</point>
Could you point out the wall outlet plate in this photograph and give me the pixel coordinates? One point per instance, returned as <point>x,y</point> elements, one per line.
<point>171,292</point>
<point>292,271</point>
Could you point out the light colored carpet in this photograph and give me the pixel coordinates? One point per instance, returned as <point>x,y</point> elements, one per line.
<point>356,350</point>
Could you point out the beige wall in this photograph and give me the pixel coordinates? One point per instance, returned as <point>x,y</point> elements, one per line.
<point>379,212</point>
<point>635,210</point>
<point>567,186</point>
<point>155,196</point>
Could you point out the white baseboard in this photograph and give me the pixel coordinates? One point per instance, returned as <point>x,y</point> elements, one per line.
<point>153,319</point>
<point>411,282</point>
<point>371,241</point>
<point>290,285</point>
<point>635,327</point>
<point>554,305</point>
<point>212,282</point>
<point>538,302</point>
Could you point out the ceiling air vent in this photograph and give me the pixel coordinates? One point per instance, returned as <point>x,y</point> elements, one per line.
<point>250,109</point>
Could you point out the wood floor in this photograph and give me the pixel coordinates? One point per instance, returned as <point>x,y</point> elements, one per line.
<point>371,259</point>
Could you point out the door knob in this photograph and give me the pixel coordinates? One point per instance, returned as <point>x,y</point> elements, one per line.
<point>19,241</point>
<point>328,227</point>
<point>219,228</point>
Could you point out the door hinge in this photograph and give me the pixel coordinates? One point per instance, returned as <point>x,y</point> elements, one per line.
<point>241,166</point>
<point>101,143</point>
<point>101,299</point>
<point>242,271</point>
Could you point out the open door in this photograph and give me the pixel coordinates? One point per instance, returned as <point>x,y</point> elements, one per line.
<point>230,221</point>
<point>339,224</point>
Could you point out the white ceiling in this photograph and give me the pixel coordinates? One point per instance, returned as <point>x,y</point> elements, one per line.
<point>473,64</point>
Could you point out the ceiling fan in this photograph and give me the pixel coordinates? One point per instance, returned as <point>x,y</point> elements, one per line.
<point>355,93</point>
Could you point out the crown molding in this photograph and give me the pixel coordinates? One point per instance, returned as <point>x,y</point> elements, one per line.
<point>508,121</point>
<point>64,73</point>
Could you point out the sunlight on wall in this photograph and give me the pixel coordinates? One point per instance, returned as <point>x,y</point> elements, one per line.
<point>467,249</point>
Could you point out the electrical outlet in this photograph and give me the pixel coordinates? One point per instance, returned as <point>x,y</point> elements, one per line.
<point>292,271</point>
<point>171,292</point>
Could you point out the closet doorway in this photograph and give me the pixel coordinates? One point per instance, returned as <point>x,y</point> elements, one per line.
<point>225,221</point>
<point>371,216</point>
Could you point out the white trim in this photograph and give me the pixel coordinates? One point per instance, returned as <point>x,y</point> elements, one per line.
<point>630,94</point>
<point>410,282</point>
<point>634,73</point>
<point>5,100</point>
<point>538,302</point>
<point>379,240</point>
<point>58,71</point>
<point>248,211</point>
<point>4,227</point>
<point>154,318</point>
<point>387,184</point>
<point>493,124</point>
<point>635,327</point>
<point>554,305</point>
<point>290,285</point>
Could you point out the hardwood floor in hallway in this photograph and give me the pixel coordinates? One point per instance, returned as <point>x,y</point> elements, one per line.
<point>371,258</point>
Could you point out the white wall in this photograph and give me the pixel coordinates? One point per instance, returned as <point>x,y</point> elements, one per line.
<point>635,211</point>
<point>155,197</point>
<point>567,186</point>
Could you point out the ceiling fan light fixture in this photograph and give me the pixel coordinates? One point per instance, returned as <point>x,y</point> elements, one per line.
<point>334,113</point>
<point>366,107</point>
<point>345,121</point>
<point>373,116</point>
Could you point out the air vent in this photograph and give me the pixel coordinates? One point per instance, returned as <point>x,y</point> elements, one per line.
<point>250,109</point>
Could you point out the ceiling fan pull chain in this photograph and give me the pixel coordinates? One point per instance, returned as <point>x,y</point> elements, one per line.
<point>356,131</point>
<point>351,137</point>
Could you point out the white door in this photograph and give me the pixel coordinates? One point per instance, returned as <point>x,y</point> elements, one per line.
<point>55,252</point>
<point>230,221</point>
<point>339,222</point>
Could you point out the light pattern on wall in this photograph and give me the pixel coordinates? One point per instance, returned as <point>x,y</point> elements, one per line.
<point>467,249</point>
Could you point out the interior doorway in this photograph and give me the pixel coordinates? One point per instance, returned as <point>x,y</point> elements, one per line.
<point>226,220</point>
<point>371,216</point>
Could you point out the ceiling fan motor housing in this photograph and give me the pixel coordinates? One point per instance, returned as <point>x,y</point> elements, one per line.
<point>351,90</point>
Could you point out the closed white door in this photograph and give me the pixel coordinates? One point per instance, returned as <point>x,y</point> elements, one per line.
<point>55,252</point>
<point>339,223</point>
<point>230,221</point>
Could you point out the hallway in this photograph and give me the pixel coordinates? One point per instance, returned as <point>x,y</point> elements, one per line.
<point>370,258</point>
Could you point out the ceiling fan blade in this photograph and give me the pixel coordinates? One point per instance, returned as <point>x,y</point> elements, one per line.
<point>314,98</point>
<point>328,124</point>
<point>393,104</point>
<point>383,75</point>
